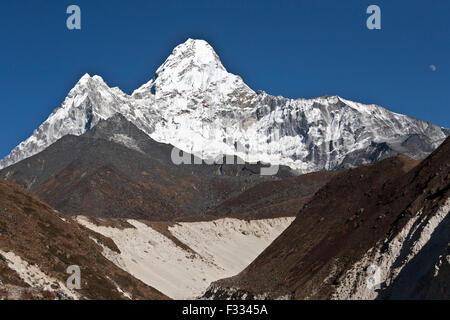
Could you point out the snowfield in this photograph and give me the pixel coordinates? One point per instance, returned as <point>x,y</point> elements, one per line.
<point>217,249</point>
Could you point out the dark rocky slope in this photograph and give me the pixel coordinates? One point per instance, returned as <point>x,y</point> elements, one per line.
<point>115,170</point>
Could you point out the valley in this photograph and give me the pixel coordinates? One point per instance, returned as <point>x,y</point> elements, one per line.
<point>164,194</point>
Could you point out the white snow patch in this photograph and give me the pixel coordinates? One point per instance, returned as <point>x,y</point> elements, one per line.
<point>232,244</point>
<point>126,141</point>
<point>225,247</point>
<point>33,276</point>
<point>126,294</point>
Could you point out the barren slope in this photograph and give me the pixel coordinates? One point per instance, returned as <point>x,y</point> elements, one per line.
<point>37,244</point>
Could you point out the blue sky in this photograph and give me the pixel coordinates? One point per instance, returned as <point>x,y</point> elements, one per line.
<point>292,48</point>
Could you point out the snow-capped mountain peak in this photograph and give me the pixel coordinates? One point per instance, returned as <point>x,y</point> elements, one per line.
<point>196,52</point>
<point>89,101</point>
<point>89,82</point>
<point>192,68</point>
<point>193,103</point>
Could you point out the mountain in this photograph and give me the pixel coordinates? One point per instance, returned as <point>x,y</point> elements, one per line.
<point>38,244</point>
<point>116,170</point>
<point>194,104</point>
<point>375,232</point>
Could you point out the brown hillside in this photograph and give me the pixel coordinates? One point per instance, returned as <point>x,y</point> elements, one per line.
<point>44,238</point>
<point>353,212</point>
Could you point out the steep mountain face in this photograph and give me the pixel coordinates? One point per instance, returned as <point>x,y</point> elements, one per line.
<point>376,232</point>
<point>194,104</point>
<point>38,244</point>
<point>116,170</point>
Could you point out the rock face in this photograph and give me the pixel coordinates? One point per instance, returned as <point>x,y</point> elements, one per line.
<point>193,103</point>
<point>375,232</point>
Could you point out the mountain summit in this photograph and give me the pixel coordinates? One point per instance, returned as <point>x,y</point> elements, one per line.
<point>192,67</point>
<point>194,104</point>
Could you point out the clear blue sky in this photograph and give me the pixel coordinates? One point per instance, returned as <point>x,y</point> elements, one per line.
<point>292,48</point>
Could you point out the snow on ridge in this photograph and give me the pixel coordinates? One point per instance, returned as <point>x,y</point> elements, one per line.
<point>223,248</point>
<point>194,104</point>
